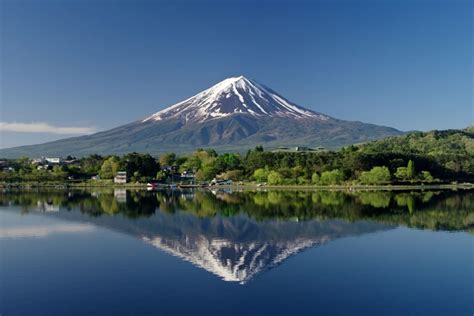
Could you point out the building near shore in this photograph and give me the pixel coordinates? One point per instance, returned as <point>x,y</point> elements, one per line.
<point>121,177</point>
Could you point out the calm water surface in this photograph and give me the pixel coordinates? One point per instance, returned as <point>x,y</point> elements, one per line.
<point>236,253</point>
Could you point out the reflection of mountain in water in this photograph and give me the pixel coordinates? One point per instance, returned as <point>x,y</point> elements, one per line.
<point>233,261</point>
<point>234,248</point>
<point>238,235</point>
<point>230,259</point>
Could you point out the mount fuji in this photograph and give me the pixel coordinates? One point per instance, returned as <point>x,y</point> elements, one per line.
<point>234,114</point>
<point>233,96</point>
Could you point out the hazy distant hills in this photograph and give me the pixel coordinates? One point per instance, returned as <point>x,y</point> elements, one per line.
<point>235,114</point>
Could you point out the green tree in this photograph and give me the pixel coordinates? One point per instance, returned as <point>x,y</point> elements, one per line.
<point>452,165</point>
<point>167,159</point>
<point>402,173</point>
<point>233,175</point>
<point>109,168</point>
<point>207,172</point>
<point>59,173</point>
<point>377,175</point>
<point>303,180</point>
<point>332,177</point>
<point>275,178</point>
<point>143,167</point>
<point>426,176</point>
<point>411,172</point>
<point>228,161</point>
<point>211,152</point>
<point>315,178</point>
<point>198,159</point>
<point>260,175</point>
<point>161,176</point>
<point>91,164</point>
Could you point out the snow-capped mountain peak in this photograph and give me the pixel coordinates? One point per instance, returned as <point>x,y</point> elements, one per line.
<point>235,95</point>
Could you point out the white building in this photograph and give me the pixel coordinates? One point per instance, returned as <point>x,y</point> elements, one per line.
<point>121,177</point>
<point>52,160</point>
<point>46,160</point>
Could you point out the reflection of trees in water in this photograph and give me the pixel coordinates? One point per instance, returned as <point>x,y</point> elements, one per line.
<point>135,204</point>
<point>447,210</point>
<point>376,199</point>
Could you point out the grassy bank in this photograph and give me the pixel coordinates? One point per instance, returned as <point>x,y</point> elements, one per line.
<point>359,187</point>
<point>245,186</point>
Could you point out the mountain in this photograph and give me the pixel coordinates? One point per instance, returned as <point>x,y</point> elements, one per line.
<point>233,96</point>
<point>235,114</point>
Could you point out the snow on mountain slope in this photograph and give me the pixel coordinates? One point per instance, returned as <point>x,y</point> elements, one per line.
<point>236,95</point>
<point>231,261</point>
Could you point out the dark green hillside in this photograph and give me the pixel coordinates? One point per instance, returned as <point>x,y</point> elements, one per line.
<point>451,149</point>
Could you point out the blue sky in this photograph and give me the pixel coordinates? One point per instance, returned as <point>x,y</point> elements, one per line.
<point>69,67</point>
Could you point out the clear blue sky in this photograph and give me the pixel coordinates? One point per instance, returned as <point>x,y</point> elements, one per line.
<point>99,64</point>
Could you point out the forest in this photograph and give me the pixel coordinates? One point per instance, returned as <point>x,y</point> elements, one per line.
<point>417,157</point>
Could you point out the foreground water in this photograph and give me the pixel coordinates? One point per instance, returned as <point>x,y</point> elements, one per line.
<point>242,253</point>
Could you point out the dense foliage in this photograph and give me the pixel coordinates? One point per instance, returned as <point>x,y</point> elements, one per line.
<point>451,149</point>
<point>413,158</point>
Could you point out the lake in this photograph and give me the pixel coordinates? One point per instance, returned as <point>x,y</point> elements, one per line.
<point>118,252</point>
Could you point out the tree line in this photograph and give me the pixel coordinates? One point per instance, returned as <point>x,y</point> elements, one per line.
<point>391,160</point>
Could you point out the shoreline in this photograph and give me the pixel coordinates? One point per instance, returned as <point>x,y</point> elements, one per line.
<point>247,186</point>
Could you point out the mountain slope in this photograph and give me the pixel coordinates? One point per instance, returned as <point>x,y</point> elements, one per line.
<point>235,114</point>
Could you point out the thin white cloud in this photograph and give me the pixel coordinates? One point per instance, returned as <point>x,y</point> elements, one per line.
<point>43,230</point>
<point>41,127</point>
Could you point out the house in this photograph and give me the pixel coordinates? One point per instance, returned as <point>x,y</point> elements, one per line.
<point>188,175</point>
<point>121,177</point>
<point>302,148</point>
<point>38,161</point>
<point>46,160</point>
<point>170,169</point>
<point>70,161</point>
<point>298,149</point>
<point>53,160</point>
<point>216,181</point>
